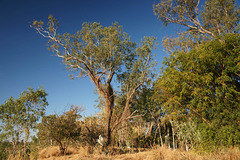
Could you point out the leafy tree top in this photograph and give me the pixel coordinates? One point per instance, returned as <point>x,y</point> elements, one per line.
<point>215,18</point>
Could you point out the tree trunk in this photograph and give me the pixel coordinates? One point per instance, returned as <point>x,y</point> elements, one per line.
<point>173,134</point>
<point>126,111</point>
<point>109,102</point>
<point>160,135</point>
<point>149,134</point>
<point>155,136</point>
<point>62,148</point>
<point>167,142</point>
<point>186,143</point>
<point>26,140</point>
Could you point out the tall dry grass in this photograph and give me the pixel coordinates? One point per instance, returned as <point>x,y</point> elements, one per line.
<point>224,154</point>
<point>89,153</point>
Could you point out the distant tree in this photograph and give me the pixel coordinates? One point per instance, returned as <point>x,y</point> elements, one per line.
<point>103,53</point>
<point>19,116</point>
<point>62,129</point>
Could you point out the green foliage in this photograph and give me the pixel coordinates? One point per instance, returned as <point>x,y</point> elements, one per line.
<point>62,129</point>
<point>221,16</point>
<point>11,119</point>
<point>204,84</point>
<point>34,153</point>
<point>19,116</point>
<point>96,49</point>
<point>218,17</point>
<point>199,24</point>
<point>4,146</point>
<point>188,134</point>
<point>200,79</point>
<point>170,11</point>
<point>140,69</point>
<point>216,138</point>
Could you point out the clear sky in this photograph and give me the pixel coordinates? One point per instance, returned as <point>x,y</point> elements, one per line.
<point>26,62</point>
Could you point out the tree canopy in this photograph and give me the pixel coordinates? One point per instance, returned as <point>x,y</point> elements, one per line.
<point>199,23</point>
<point>199,81</point>
<point>19,116</point>
<point>204,83</point>
<point>102,53</point>
<point>216,18</point>
<point>62,129</point>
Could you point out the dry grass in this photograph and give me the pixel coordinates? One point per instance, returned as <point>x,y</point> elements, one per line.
<point>168,154</point>
<point>88,153</point>
<point>55,152</point>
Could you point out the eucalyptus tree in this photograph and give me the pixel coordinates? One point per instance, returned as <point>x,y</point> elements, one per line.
<point>102,53</point>
<point>19,116</point>
<point>215,18</point>
<point>10,120</point>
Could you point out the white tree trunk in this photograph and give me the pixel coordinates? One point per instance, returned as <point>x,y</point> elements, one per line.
<point>173,134</point>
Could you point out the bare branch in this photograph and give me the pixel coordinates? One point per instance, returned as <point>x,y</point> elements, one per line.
<point>124,119</point>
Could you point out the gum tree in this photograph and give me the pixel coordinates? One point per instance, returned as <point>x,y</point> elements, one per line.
<point>102,53</point>
<point>19,116</point>
<point>199,23</point>
<point>217,17</point>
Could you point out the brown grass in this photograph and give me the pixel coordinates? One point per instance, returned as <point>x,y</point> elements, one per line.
<point>55,152</point>
<point>168,154</point>
<point>88,153</point>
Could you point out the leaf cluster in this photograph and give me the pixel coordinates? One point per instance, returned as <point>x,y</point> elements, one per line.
<point>22,114</point>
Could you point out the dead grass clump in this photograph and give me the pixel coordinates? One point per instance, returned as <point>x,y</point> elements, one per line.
<point>169,154</point>
<point>49,152</point>
<point>148,155</point>
<point>54,151</point>
<point>224,154</point>
<point>86,150</point>
<point>72,150</point>
<point>97,150</point>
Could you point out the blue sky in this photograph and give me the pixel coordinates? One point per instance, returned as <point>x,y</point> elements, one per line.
<point>26,62</point>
